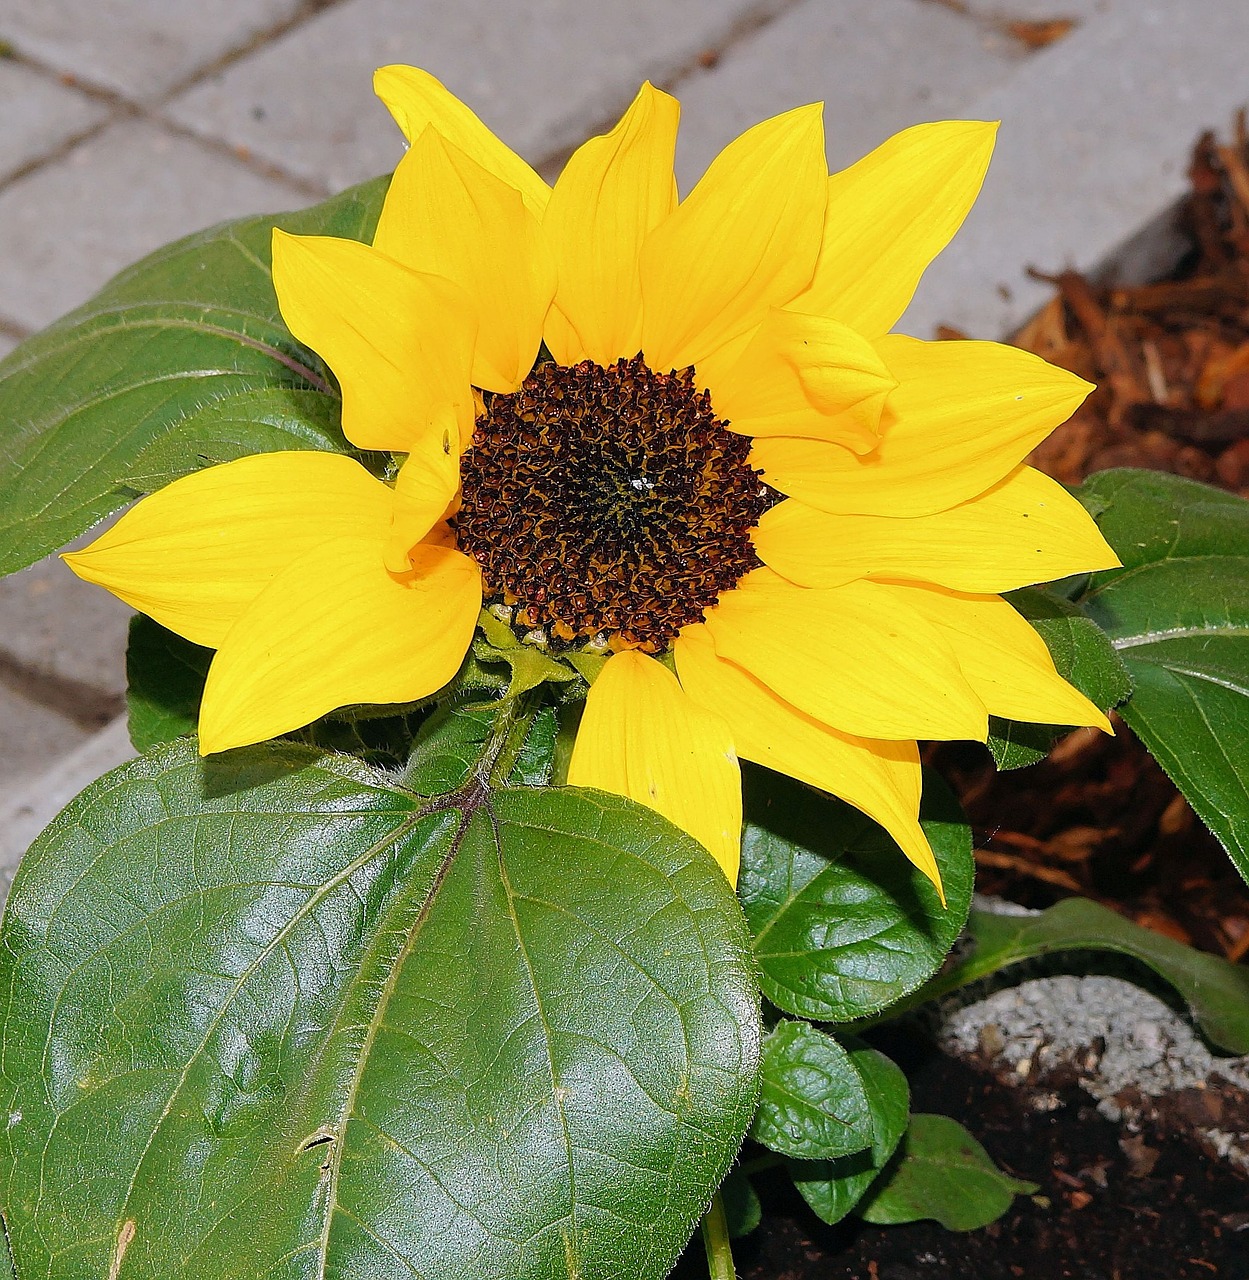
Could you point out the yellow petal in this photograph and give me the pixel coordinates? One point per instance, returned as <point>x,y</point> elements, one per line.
<point>1026,529</point>
<point>612,192</point>
<point>807,376</point>
<point>447,215</point>
<point>399,342</point>
<point>1003,657</point>
<point>882,779</point>
<point>425,489</point>
<point>853,657</point>
<point>334,629</point>
<point>889,215</point>
<point>642,737</point>
<point>743,241</point>
<point>195,554</point>
<point>963,417</point>
<point>417,100</point>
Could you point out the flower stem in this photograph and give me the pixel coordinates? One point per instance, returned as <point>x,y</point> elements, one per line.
<point>512,725</point>
<point>716,1242</point>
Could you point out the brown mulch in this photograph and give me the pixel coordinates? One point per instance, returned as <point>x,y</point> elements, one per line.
<point>1171,363</point>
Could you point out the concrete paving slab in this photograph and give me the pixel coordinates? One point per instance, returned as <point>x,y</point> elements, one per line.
<point>69,226</point>
<point>1005,11</point>
<point>34,738</point>
<point>26,809</point>
<point>138,48</point>
<point>544,75</point>
<point>878,65</point>
<point>66,632</point>
<point>39,115</point>
<point>1095,139</point>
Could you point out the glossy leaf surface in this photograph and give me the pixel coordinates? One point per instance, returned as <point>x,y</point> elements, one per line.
<point>812,1103</point>
<point>833,1187</point>
<point>1178,615</point>
<point>844,925</point>
<point>271,1015</point>
<point>180,360</point>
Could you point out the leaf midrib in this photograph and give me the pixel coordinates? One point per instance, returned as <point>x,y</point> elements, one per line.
<point>378,847</point>
<point>1143,638</point>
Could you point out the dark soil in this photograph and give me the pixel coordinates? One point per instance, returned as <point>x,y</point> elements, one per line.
<point>1111,1206</point>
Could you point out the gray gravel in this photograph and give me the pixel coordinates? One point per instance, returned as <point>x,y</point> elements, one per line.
<point>1129,1049</point>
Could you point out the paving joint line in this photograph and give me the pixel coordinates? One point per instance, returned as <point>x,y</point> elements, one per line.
<point>307,10</point>
<point>240,155</point>
<point>999,23</point>
<point>122,107</point>
<point>77,701</point>
<point>749,24</point>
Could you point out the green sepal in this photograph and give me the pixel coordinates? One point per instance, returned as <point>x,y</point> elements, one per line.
<point>530,666</point>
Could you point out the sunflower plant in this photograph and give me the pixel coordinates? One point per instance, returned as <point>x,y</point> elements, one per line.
<point>541,594</point>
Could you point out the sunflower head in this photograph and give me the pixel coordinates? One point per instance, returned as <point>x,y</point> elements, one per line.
<point>674,431</point>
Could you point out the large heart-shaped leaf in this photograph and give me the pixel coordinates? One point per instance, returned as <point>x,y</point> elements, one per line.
<point>186,344</point>
<point>844,925</point>
<point>272,1015</point>
<point>1178,615</point>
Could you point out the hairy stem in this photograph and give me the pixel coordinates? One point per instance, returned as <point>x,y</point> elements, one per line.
<point>716,1242</point>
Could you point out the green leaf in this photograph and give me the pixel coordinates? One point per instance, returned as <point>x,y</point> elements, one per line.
<point>1178,615</point>
<point>165,676</point>
<point>844,925</point>
<point>941,1172</point>
<point>268,1014</point>
<point>833,1187</point>
<point>1084,656</point>
<point>1149,516</point>
<point>742,1209</point>
<point>812,1104</point>
<point>1217,992</point>
<point>263,421</point>
<point>168,346</point>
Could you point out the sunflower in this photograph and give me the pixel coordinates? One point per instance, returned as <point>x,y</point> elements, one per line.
<point>677,434</point>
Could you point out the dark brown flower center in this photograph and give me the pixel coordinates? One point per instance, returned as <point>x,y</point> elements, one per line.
<point>608,503</point>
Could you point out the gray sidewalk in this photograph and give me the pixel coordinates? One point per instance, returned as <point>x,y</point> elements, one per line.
<point>129,122</point>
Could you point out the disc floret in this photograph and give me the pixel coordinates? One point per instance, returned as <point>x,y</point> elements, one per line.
<point>608,501</point>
